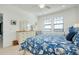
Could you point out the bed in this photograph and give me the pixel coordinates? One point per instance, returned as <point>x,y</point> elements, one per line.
<point>51,45</point>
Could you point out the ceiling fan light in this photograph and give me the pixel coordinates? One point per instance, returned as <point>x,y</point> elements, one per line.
<point>41,5</point>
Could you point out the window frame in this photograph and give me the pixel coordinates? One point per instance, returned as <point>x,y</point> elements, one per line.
<point>60,29</point>
<point>47,24</point>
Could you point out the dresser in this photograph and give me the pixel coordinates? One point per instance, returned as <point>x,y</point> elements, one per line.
<point>21,36</point>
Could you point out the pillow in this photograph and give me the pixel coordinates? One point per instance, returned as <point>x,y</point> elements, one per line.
<point>72,32</point>
<point>72,29</point>
<point>70,36</point>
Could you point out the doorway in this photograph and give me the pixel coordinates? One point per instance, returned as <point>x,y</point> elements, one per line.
<point>1,30</point>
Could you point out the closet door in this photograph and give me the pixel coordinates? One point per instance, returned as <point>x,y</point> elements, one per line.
<point>1,30</point>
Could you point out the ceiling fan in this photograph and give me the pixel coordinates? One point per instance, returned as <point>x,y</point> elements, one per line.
<point>44,6</point>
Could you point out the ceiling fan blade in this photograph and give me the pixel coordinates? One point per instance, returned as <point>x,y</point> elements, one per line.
<point>47,7</point>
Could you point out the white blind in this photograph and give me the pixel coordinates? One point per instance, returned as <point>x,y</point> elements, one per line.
<point>47,24</point>
<point>58,23</point>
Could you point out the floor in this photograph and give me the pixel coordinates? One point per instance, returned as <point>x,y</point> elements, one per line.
<point>1,42</point>
<point>13,50</point>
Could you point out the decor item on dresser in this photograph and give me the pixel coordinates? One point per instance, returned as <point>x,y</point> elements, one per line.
<point>39,32</point>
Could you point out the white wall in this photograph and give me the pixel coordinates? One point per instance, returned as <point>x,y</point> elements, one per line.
<point>70,17</point>
<point>77,14</point>
<point>13,13</point>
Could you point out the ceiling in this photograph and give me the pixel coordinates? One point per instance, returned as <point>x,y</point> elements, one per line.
<point>36,10</point>
<point>49,8</point>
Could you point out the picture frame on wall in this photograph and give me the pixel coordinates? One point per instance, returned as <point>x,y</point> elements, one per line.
<point>13,22</point>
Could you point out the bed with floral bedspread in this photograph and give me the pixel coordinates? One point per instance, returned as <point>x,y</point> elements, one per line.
<point>51,45</point>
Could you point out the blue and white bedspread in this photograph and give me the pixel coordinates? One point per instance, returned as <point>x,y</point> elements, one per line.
<point>49,45</point>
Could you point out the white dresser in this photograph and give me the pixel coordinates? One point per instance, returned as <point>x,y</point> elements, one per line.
<point>23,35</point>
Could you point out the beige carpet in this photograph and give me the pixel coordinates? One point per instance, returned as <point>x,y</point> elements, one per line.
<point>13,50</point>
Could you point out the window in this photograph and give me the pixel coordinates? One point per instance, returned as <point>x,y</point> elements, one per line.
<point>58,24</point>
<point>47,24</point>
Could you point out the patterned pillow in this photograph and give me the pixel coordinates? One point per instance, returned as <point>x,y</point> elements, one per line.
<point>72,32</point>
<point>72,29</point>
